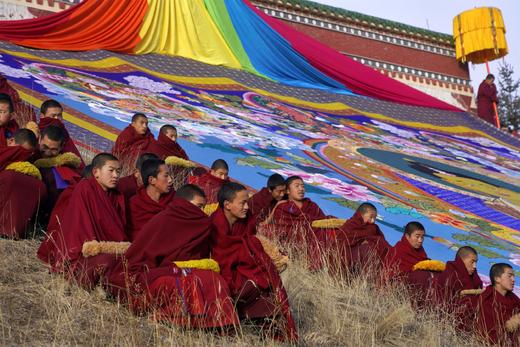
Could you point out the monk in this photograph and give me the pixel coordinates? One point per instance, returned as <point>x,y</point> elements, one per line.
<point>263,202</point>
<point>252,277</point>
<point>51,113</point>
<point>129,185</point>
<point>167,145</point>
<point>148,279</point>
<point>211,181</point>
<point>8,126</point>
<point>20,193</point>
<point>134,139</point>
<point>457,287</point>
<point>55,177</point>
<point>95,212</point>
<point>486,97</point>
<point>153,198</point>
<point>22,112</point>
<point>497,305</point>
<point>361,243</point>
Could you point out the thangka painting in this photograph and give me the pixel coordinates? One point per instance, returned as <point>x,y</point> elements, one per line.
<point>462,184</point>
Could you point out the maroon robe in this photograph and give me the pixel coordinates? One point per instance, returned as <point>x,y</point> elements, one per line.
<point>261,204</point>
<point>68,144</point>
<point>142,208</point>
<point>128,186</point>
<point>7,131</point>
<point>448,285</point>
<point>91,214</point>
<point>486,96</point>
<point>210,184</point>
<point>251,275</point>
<point>20,194</point>
<point>129,144</point>
<point>165,147</point>
<point>147,279</point>
<point>22,111</point>
<point>494,310</point>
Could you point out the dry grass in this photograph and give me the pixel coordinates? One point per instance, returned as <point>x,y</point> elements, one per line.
<point>37,308</point>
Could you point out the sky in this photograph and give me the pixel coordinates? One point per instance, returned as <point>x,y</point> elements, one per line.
<point>438,16</point>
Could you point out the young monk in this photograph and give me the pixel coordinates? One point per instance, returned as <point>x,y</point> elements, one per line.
<point>20,193</point>
<point>8,126</point>
<point>211,181</point>
<point>251,275</point>
<point>497,305</point>
<point>134,139</point>
<point>148,279</point>
<point>263,202</point>
<point>95,212</point>
<point>456,288</point>
<point>153,198</point>
<point>129,185</point>
<point>167,145</point>
<point>51,114</point>
<point>360,240</point>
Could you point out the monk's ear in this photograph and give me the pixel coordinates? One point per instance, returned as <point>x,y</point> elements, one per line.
<point>11,142</point>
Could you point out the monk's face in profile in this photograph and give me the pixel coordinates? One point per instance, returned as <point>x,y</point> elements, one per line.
<point>49,148</point>
<point>296,190</point>
<point>416,238</point>
<point>5,114</point>
<point>369,217</point>
<point>171,134</point>
<point>140,125</point>
<point>163,182</point>
<point>238,207</point>
<point>278,192</point>
<point>470,262</point>
<point>53,112</point>
<point>506,281</point>
<point>108,175</point>
<point>220,173</point>
<point>198,201</point>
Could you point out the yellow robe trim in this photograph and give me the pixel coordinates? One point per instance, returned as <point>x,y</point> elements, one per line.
<point>26,168</point>
<point>201,264</point>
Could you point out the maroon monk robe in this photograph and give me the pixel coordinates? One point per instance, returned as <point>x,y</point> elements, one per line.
<point>210,184</point>
<point>486,96</point>
<point>20,195</point>
<point>128,186</point>
<point>68,144</point>
<point>261,204</point>
<point>142,208</point>
<point>7,131</point>
<point>129,144</point>
<point>494,310</point>
<point>360,244</point>
<point>251,275</point>
<point>448,285</point>
<point>147,278</point>
<point>404,256</point>
<point>22,111</point>
<point>165,147</point>
<point>91,214</point>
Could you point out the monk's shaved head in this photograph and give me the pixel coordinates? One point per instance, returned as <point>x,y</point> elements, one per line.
<point>166,128</point>
<point>53,133</point>
<point>275,180</point>
<point>498,270</point>
<point>25,138</point>
<point>150,168</point>
<point>136,116</point>
<point>229,191</point>
<point>6,100</point>
<point>189,192</point>
<point>101,159</point>
<point>466,251</point>
<point>413,226</point>
<point>142,158</point>
<point>219,164</point>
<point>366,207</point>
<point>87,171</point>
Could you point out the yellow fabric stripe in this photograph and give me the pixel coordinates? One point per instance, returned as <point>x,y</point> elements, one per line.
<point>184,28</point>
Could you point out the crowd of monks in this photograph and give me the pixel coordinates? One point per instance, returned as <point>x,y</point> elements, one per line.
<point>156,249</point>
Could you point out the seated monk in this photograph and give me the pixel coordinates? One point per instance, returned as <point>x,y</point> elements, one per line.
<point>8,126</point>
<point>95,212</point>
<point>23,112</point>
<point>252,277</point>
<point>360,241</point>
<point>498,308</point>
<point>263,202</point>
<point>129,185</point>
<point>149,280</point>
<point>457,287</point>
<point>211,181</point>
<point>134,139</point>
<point>55,176</point>
<point>167,145</point>
<point>47,252</point>
<point>21,193</point>
<point>153,198</point>
<point>51,113</point>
